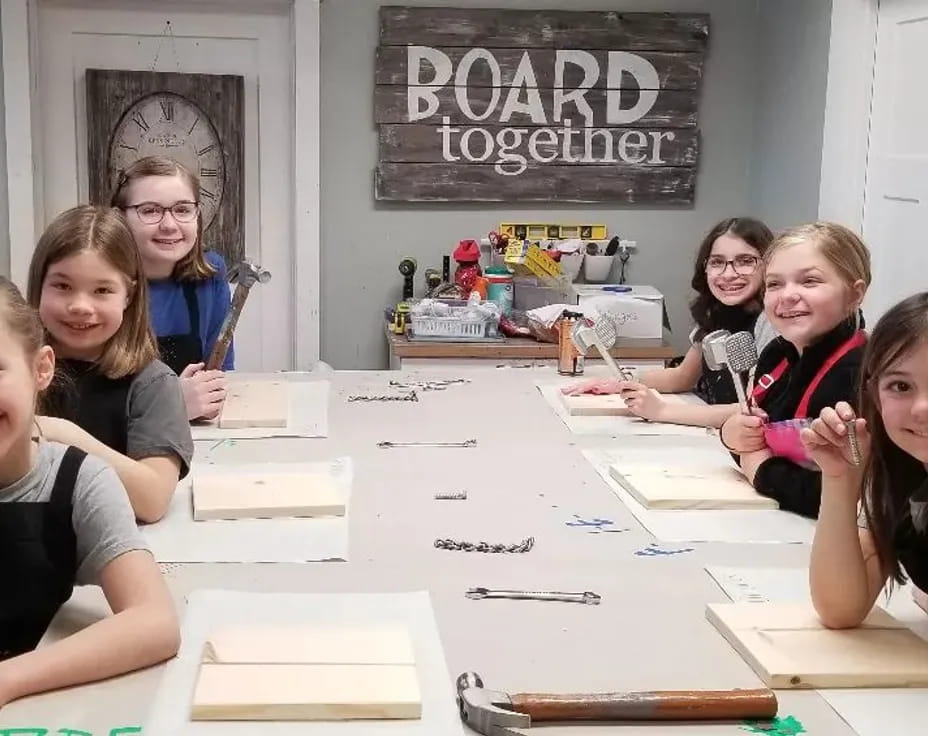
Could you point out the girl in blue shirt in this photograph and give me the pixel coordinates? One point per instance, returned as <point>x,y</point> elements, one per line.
<point>188,289</point>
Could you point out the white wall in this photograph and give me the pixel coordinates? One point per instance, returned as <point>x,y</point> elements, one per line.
<point>792,52</point>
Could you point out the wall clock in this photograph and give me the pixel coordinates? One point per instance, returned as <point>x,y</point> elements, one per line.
<point>196,119</point>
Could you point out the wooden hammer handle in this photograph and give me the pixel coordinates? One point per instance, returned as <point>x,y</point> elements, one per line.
<point>224,340</point>
<point>658,705</point>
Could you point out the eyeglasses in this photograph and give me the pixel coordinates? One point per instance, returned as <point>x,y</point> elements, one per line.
<point>151,213</point>
<point>743,265</point>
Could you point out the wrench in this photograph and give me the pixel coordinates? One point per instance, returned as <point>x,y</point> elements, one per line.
<point>530,595</point>
<point>464,443</point>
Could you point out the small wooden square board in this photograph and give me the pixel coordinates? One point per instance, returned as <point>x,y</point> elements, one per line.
<point>603,405</point>
<point>255,404</point>
<point>231,495</point>
<point>788,647</point>
<point>698,487</point>
<point>307,673</point>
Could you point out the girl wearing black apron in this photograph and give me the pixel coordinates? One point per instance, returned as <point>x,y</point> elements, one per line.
<point>885,466</point>
<point>64,520</point>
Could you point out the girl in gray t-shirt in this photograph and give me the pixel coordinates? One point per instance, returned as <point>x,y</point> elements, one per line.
<point>116,401</point>
<point>65,519</point>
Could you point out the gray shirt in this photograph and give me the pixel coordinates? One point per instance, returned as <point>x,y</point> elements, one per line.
<point>157,417</point>
<point>102,517</point>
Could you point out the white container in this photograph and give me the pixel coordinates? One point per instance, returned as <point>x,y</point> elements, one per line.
<point>570,264</point>
<point>597,268</point>
<point>642,308</point>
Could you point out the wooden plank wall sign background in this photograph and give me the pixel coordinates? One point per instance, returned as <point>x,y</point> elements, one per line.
<point>553,106</point>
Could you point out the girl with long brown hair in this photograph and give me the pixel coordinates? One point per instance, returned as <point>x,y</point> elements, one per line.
<point>855,552</point>
<point>118,401</point>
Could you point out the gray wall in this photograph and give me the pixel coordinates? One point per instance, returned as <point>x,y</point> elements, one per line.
<point>363,241</point>
<point>4,199</point>
<point>792,48</point>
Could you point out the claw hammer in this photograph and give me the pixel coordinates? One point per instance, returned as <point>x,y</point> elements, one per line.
<point>245,275</point>
<point>495,713</point>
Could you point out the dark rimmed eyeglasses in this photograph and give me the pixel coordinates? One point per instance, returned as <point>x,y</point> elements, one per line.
<point>743,265</point>
<point>151,213</point>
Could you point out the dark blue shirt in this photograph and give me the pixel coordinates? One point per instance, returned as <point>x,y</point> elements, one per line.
<point>169,309</point>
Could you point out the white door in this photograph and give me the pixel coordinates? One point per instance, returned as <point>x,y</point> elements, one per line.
<point>257,46</point>
<point>896,201</point>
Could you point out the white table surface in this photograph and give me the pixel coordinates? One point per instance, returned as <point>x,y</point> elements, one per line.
<point>526,477</point>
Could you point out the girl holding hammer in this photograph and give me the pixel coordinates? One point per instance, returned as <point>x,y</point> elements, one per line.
<point>116,400</point>
<point>188,288</point>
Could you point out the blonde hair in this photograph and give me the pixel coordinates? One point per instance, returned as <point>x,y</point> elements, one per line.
<point>193,266</point>
<point>840,246</point>
<point>102,230</point>
<point>20,318</point>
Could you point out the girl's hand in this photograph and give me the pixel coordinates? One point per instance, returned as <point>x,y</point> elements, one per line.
<point>642,401</point>
<point>826,441</point>
<point>204,391</point>
<point>55,429</point>
<point>745,432</point>
<point>597,386</point>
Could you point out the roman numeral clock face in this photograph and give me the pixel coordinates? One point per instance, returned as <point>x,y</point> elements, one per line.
<point>167,124</point>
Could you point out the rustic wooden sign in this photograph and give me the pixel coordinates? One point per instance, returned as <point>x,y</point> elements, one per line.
<point>560,106</point>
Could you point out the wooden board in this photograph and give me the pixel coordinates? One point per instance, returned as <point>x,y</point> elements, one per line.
<point>309,645</point>
<point>255,404</point>
<point>788,647</point>
<point>305,692</point>
<point>701,487</point>
<point>504,28</point>
<point>307,673</point>
<point>604,405</point>
<point>264,495</point>
<point>638,184</point>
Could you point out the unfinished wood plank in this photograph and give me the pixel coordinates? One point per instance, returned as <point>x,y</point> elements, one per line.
<point>698,487</point>
<point>234,495</point>
<point>604,405</point>
<point>788,647</point>
<point>309,645</point>
<point>305,692</point>
<point>256,404</point>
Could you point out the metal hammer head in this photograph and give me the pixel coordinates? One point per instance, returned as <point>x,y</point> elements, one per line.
<point>487,711</point>
<point>248,274</point>
<point>740,352</point>
<point>713,349</point>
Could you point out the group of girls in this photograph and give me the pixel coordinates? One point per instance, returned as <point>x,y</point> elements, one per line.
<point>102,368</point>
<point>819,377</point>
<point>95,433</point>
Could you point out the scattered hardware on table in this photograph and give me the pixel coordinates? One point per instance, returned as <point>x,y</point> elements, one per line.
<point>451,496</point>
<point>411,396</point>
<point>524,546</point>
<point>588,598</point>
<point>464,443</point>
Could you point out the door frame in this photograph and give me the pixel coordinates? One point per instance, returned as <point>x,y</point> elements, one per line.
<point>19,27</point>
<point>848,98</point>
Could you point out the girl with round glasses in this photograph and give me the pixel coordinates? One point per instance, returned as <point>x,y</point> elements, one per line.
<point>728,280</point>
<point>188,287</point>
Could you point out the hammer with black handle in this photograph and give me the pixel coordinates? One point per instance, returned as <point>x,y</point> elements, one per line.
<point>245,275</point>
<point>495,713</point>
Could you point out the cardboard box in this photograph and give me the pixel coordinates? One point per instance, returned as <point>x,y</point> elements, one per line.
<point>640,310</point>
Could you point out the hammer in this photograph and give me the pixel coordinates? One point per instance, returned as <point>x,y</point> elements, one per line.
<point>245,275</point>
<point>495,713</point>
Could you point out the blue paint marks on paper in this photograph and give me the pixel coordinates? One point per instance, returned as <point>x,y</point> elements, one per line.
<point>654,550</point>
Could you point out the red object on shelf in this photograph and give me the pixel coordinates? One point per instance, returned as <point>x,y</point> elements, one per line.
<point>467,255</point>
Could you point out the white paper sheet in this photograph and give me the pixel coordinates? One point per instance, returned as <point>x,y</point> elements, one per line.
<point>703,525</point>
<point>210,609</point>
<point>611,425</point>
<point>178,538</point>
<point>308,411</point>
<point>870,712</point>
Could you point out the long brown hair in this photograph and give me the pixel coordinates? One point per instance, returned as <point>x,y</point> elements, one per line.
<point>193,266</point>
<point>705,307</point>
<point>891,473</point>
<point>102,230</point>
